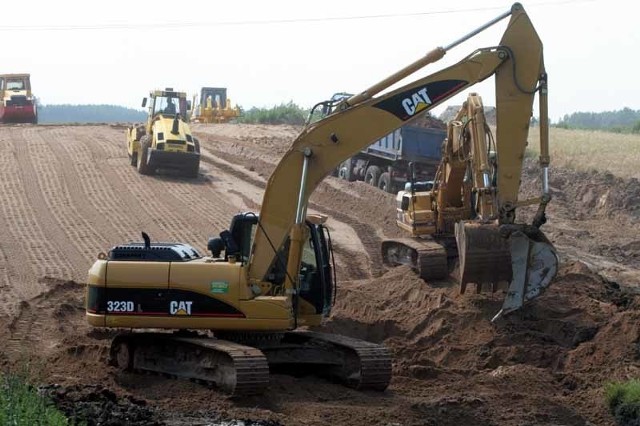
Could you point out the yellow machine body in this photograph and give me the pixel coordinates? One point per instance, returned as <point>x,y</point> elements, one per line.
<point>214,106</point>
<point>17,103</point>
<point>165,141</point>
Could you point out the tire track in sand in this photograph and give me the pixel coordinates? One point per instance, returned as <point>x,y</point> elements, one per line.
<point>29,247</point>
<point>135,215</point>
<point>52,199</point>
<point>143,194</point>
<point>91,192</point>
<point>203,206</point>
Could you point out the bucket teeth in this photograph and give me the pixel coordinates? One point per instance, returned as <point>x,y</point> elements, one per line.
<point>521,256</point>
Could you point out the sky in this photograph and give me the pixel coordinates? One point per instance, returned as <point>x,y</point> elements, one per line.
<point>270,52</point>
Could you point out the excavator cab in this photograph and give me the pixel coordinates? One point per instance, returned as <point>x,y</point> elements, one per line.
<point>317,270</point>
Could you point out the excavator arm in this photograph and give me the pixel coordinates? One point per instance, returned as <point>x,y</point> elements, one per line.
<point>518,66</point>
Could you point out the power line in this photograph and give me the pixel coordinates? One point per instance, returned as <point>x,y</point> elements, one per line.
<point>178,25</point>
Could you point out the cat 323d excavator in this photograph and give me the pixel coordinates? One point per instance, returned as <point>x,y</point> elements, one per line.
<point>230,317</point>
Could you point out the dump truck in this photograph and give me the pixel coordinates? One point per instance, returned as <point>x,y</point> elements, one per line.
<point>412,151</point>
<point>18,104</point>
<point>388,162</point>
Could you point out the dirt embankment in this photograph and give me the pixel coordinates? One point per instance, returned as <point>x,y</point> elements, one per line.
<point>544,365</point>
<point>593,217</point>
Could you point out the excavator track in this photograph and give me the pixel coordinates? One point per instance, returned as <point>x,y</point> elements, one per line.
<point>236,369</point>
<point>356,363</point>
<point>427,258</point>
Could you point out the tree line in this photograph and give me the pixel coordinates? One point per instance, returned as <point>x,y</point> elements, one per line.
<point>625,120</point>
<point>54,114</point>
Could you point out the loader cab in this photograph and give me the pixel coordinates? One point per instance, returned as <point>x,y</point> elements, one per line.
<point>317,271</point>
<point>167,103</point>
<point>170,105</point>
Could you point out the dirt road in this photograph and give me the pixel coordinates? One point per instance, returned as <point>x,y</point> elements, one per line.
<point>69,193</point>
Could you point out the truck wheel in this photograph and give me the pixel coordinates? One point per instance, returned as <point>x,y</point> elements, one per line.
<point>385,182</point>
<point>372,175</point>
<point>143,156</point>
<point>346,171</point>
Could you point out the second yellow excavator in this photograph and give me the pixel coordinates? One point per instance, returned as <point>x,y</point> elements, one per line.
<point>277,274</point>
<point>468,213</point>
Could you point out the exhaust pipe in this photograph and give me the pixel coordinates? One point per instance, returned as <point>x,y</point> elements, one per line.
<point>175,130</point>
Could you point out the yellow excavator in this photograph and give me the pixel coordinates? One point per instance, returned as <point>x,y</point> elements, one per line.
<point>468,213</point>
<point>233,315</point>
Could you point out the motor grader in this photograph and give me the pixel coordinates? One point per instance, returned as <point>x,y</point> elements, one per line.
<point>165,141</point>
<point>270,274</point>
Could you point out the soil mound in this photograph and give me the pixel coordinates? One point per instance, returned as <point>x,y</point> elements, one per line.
<point>588,194</point>
<point>581,333</point>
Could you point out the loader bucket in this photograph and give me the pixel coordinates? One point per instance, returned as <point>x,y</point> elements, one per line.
<point>519,254</point>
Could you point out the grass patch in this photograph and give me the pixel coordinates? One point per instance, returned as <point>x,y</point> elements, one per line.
<point>20,405</point>
<point>586,150</point>
<point>623,400</point>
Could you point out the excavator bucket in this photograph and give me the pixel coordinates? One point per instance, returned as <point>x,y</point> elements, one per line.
<point>483,254</point>
<point>519,254</point>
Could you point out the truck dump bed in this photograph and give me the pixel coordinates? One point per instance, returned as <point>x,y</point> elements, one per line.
<point>409,143</point>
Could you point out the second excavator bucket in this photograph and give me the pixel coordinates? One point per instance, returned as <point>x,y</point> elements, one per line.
<point>519,254</point>
<point>483,255</point>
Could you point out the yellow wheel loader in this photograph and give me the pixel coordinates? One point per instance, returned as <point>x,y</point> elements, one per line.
<point>231,316</point>
<point>165,141</point>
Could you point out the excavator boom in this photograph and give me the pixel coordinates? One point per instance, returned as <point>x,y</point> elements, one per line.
<point>518,66</point>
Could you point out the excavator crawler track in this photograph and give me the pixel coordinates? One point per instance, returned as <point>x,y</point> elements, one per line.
<point>356,363</point>
<point>427,258</point>
<point>236,369</point>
